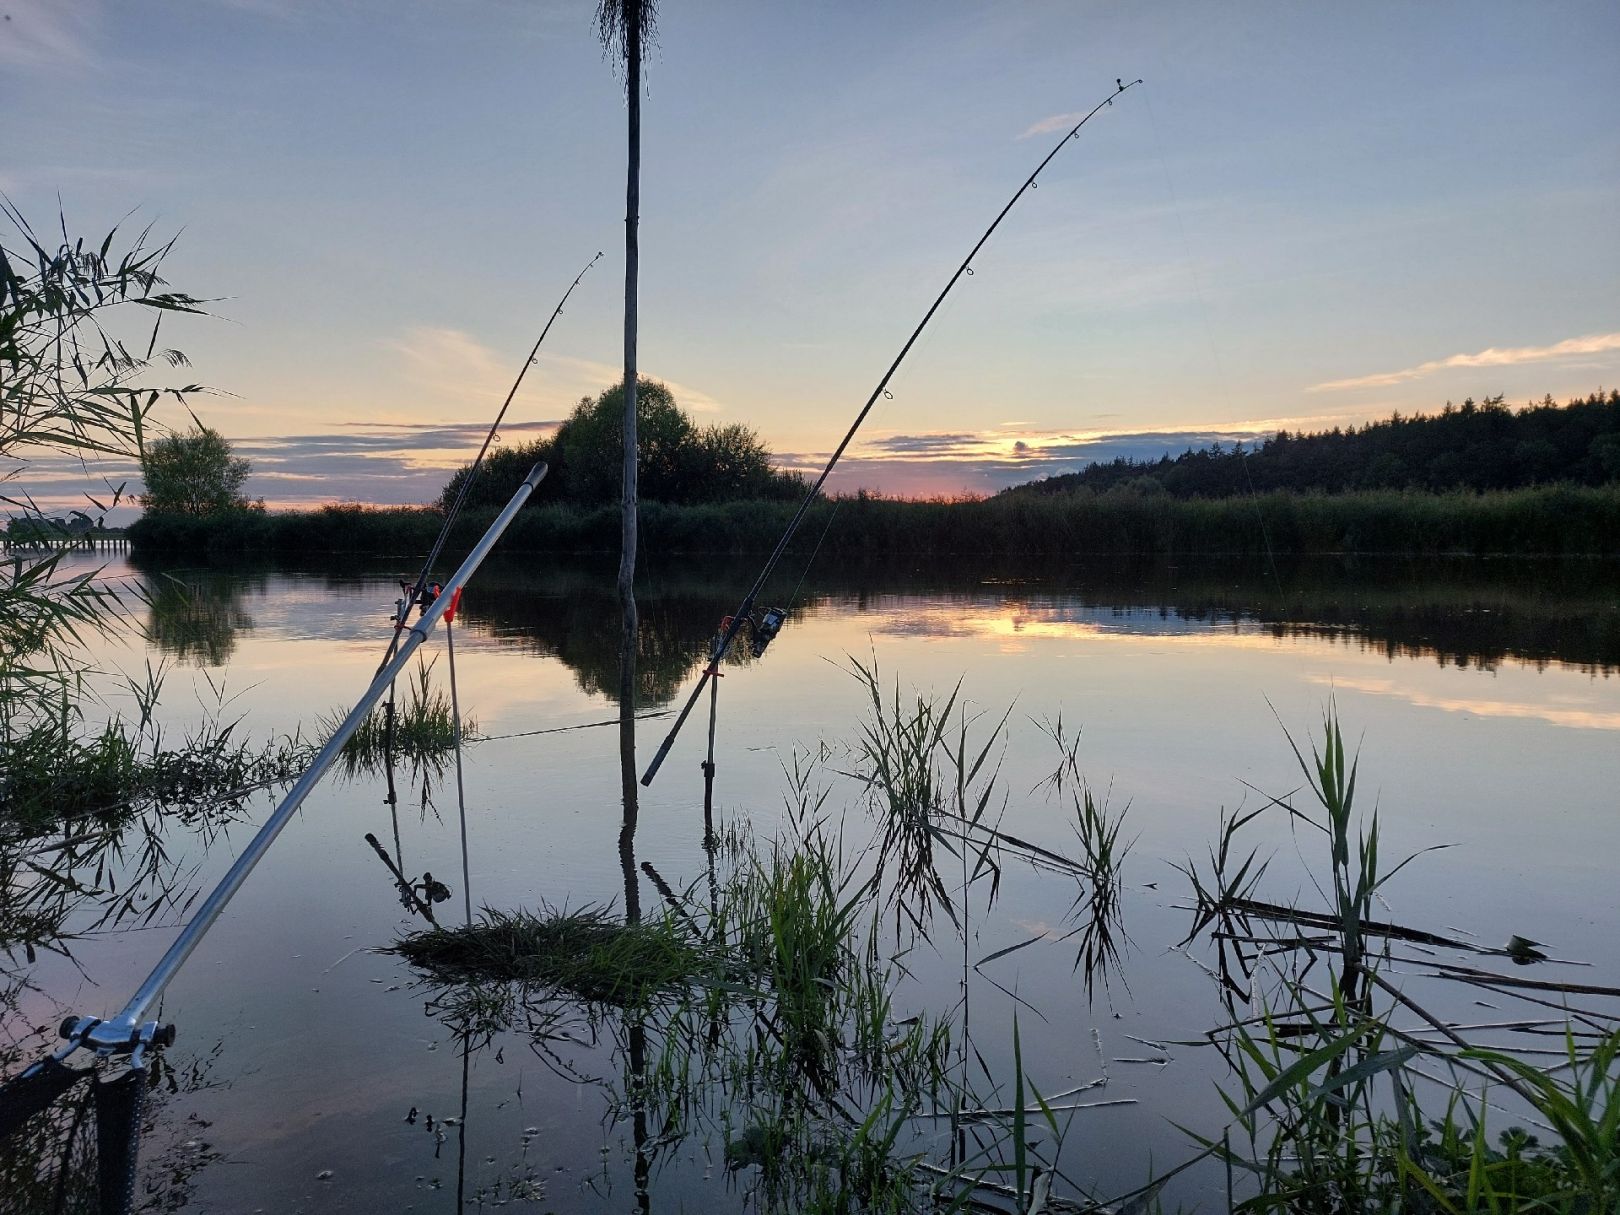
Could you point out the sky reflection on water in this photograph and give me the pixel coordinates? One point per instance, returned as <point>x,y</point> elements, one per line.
<point>323,1049</point>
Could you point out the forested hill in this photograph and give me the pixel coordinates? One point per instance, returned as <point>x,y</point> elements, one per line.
<point>1480,446</point>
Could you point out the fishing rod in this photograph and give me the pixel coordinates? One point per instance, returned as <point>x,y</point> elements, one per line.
<point>744,613</point>
<point>417,592</point>
<point>125,1032</point>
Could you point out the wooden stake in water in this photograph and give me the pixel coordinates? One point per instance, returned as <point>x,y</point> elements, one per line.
<point>455,718</point>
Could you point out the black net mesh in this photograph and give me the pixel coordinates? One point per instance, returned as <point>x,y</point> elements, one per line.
<point>120,1103</point>
<point>47,1142</point>
<point>30,1092</point>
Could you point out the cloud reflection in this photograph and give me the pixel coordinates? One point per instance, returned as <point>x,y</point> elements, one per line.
<point>1556,715</point>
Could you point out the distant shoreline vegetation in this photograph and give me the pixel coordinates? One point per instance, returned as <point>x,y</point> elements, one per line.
<point>1476,480</point>
<point>1480,447</point>
<point>1554,520</point>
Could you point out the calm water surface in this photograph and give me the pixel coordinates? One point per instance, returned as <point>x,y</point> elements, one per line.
<point>1485,699</point>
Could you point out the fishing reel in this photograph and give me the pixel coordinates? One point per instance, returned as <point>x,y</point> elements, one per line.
<point>402,606</point>
<point>764,630</point>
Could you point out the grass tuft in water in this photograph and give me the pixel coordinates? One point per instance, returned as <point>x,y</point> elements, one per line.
<point>54,769</point>
<point>586,953</point>
<point>424,728</point>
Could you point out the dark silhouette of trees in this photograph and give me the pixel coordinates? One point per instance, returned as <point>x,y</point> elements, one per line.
<point>679,462</point>
<point>1479,446</point>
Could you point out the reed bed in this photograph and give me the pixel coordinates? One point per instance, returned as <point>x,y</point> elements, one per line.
<point>1333,1106</point>
<point>422,731</point>
<point>1553,520</point>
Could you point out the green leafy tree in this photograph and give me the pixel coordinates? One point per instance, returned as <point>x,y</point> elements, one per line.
<point>591,443</point>
<point>193,474</point>
<point>680,463</point>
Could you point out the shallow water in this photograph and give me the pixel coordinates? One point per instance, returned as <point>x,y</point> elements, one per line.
<point>1485,698</point>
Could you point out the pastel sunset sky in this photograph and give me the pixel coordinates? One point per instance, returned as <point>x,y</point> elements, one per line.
<point>1308,215</point>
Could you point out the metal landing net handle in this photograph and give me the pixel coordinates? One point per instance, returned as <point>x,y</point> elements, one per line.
<point>126,1032</point>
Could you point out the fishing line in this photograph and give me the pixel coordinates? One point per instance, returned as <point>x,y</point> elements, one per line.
<point>881,390</point>
<point>588,725</point>
<point>1221,381</point>
<point>831,515</point>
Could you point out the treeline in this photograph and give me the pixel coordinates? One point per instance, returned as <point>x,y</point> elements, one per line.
<point>1547,520</point>
<point>1479,447</point>
<point>678,461</point>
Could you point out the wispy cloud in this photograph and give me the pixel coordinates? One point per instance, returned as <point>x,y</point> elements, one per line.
<point>453,363</point>
<point>593,377</point>
<point>956,462</point>
<point>47,33</point>
<point>1049,126</point>
<point>1596,343</point>
<point>386,463</point>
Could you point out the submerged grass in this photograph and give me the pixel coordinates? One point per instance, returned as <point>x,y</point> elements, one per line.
<point>53,770</point>
<point>1328,1084</point>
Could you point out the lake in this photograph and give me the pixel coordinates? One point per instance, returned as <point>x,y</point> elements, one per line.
<point>313,1073</point>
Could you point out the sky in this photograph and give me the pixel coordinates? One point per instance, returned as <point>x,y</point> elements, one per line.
<point>1307,215</point>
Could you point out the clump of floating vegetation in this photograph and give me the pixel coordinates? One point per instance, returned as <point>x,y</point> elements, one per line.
<point>53,770</point>
<point>586,953</point>
<point>424,728</point>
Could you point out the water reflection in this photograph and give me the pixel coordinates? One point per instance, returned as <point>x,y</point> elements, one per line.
<point>1566,715</point>
<point>1133,610</point>
<point>572,613</point>
<point>1463,613</point>
<point>195,615</point>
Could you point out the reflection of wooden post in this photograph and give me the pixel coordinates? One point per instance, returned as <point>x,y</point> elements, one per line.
<point>455,719</point>
<point>392,798</point>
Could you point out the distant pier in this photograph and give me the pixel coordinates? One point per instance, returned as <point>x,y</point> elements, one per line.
<point>109,540</point>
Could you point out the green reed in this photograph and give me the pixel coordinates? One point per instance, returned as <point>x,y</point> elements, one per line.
<point>1328,1084</point>
<point>424,727</point>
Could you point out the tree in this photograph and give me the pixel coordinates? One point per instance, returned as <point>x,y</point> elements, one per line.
<point>592,441</point>
<point>193,474</point>
<point>679,462</point>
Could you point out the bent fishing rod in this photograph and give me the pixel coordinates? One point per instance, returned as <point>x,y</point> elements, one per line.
<point>126,1032</point>
<point>736,621</point>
